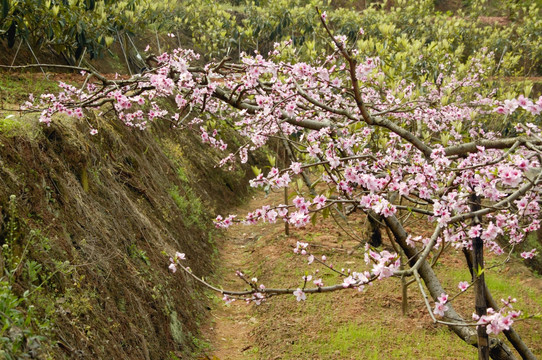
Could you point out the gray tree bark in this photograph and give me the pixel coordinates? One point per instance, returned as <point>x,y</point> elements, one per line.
<point>497,349</point>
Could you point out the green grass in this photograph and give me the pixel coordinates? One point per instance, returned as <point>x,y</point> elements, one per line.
<point>500,286</point>
<point>191,208</point>
<point>352,326</point>
<point>372,341</point>
<point>15,88</point>
<point>14,125</point>
<point>14,91</point>
<point>368,335</point>
<point>503,287</point>
<point>181,174</point>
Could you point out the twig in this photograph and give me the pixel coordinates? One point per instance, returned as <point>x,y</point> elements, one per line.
<point>426,300</point>
<point>17,52</point>
<point>35,57</point>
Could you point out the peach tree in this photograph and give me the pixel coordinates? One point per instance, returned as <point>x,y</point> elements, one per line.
<point>362,141</point>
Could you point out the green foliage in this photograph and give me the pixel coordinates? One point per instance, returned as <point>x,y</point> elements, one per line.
<point>182,174</point>
<point>18,323</point>
<point>137,253</point>
<point>221,28</point>
<point>398,35</point>
<point>201,345</point>
<point>14,89</point>
<point>28,318</point>
<point>218,29</point>
<point>192,209</point>
<point>11,234</point>
<point>21,328</point>
<point>503,288</point>
<point>75,27</point>
<point>9,125</point>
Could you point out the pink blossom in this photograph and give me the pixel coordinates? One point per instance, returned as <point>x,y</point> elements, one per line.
<point>509,175</point>
<point>384,271</point>
<point>271,216</point>
<point>272,173</point>
<point>524,102</point>
<point>440,308</point>
<point>514,314</point>
<point>296,168</point>
<point>349,281</point>
<point>257,298</point>
<point>301,204</point>
<point>491,232</point>
<point>389,211</point>
<point>475,231</point>
<point>319,201</point>
<point>495,322</point>
<point>299,219</point>
<point>314,151</point>
<point>529,254</point>
<point>501,110</point>
<point>222,223</point>
<point>510,105</point>
<point>228,299</point>
<point>282,211</point>
<point>318,282</point>
<point>463,285</point>
<point>300,295</point>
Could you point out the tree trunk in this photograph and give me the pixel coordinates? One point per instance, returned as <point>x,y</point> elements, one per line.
<point>497,349</point>
<point>479,283</point>
<point>511,335</point>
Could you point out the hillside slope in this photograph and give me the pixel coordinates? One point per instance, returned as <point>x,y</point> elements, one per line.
<point>86,228</point>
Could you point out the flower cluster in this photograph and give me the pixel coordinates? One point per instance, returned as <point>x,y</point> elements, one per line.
<point>440,306</point>
<point>275,180</point>
<point>529,254</point>
<point>510,105</point>
<point>497,321</point>
<point>174,260</point>
<point>222,223</point>
<point>357,280</point>
<point>463,285</point>
<point>384,263</point>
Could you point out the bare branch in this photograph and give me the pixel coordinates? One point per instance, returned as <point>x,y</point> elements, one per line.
<point>472,147</point>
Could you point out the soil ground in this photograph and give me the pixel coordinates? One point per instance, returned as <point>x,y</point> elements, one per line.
<point>345,324</point>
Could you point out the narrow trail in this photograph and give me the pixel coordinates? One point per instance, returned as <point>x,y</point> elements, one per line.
<point>231,326</point>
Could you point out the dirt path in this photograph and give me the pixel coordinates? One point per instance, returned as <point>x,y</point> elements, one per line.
<point>231,324</point>
<point>231,327</point>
